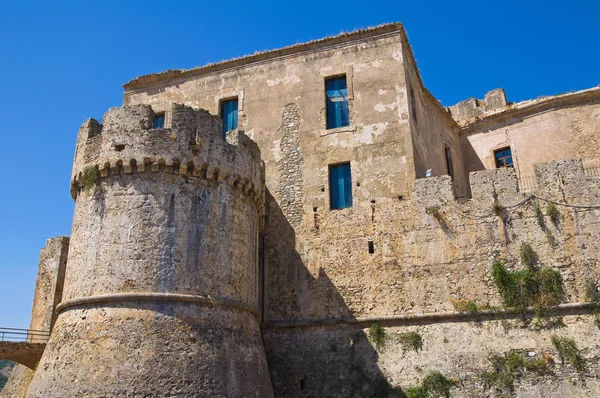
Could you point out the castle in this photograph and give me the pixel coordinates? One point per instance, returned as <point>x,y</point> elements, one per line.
<point>311,222</point>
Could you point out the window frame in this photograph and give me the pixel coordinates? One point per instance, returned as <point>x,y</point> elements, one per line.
<point>502,160</point>
<point>158,115</point>
<point>222,103</point>
<point>347,200</point>
<point>329,124</point>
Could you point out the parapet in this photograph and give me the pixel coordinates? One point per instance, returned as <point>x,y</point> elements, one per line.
<point>192,147</point>
<point>563,181</point>
<point>494,101</point>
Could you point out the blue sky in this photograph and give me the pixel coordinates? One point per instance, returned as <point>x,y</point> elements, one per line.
<point>63,62</point>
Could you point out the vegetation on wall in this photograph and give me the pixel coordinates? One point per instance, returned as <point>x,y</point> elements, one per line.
<point>471,306</point>
<point>410,341</point>
<point>528,256</point>
<point>89,175</point>
<point>510,366</point>
<point>540,217</point>
<point>592,295</point>
<point>531,287</point>
<point>568,351</point>
<point>552,212</point>
<point>434,384</point>
<point>377,336</point>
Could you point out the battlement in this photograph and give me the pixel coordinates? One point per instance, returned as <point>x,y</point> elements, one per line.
<point>562,181</point>
<point>468,109</point>
<point>191,147</point>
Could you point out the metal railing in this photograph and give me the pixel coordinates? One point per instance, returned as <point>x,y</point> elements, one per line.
<point>529,183</point>
<point>24,335</point>
<point>592,171</point>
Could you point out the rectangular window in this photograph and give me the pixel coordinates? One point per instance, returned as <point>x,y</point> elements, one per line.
<point>229,114</point>
<point>449,167</point>
<point>340,186</point>
<point>503,157</point>
<point>336,95</point>
<point>159,121</point>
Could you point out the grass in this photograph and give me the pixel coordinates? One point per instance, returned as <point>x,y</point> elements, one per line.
<point>568,351</point>
<point>510,366</point>
<point>552,212</point>
<point>527,254</point>
<point>539,288</point>
<point>410,341</point>
<point>89,175</point>
<point>377,336</point>
<point>434,384</point>
<point>435,212</point>
<point>471,306</point>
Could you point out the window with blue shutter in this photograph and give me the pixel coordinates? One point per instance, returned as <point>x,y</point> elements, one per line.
<point>336,95</point>
<point>229,113</point>
<point>159,121</point>
<point>340,186</point>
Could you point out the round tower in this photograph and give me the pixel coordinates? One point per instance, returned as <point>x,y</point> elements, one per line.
<point>161,288</point>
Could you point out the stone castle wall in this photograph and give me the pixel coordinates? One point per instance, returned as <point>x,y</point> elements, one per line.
<point>161,288</point>
<point>321,304</point>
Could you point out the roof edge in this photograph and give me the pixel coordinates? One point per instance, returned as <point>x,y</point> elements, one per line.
<point>153,79</point>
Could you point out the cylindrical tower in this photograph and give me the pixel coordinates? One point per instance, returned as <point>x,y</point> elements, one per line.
<point>161,287</point>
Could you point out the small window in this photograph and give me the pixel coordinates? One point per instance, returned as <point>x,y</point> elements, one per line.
<point>503,157</point>
<point>336,95</point>
<point>229,114</point>
<point>449,167</point>
<point>413,106</point>
<point>159,121</point>
<point>340,186</point>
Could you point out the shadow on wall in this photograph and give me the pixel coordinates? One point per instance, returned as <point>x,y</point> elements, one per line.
<point>331,360</point>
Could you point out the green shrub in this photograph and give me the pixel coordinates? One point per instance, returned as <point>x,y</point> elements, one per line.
<point>498,209</point>
<point>411,341</point>
<point>552,212</point>
<point>89,175</point>
<point>377,336</point>
<point>528,287</point>
<point>416,392</point>
<point>527,255</point>
<point>437,385</point>
<point>592,294</point>
<point>509,366</point>
<point>568,351</point>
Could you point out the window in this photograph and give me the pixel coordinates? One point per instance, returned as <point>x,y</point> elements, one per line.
<point>503,157</point>
<point>229,114</point>
<point>336,95</point>
<point>340,186</point>
<point>413,107</point>
<point>449,167</point>
<point>159,121</point>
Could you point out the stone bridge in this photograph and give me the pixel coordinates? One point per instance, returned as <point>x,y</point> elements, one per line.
<point>23,346</point>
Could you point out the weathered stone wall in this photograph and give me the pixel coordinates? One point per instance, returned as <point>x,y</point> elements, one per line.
<point>160,293</point>
<point>432,130</point>
<point>562,127</point>
<point>429,251</point>
<point>47,295</point>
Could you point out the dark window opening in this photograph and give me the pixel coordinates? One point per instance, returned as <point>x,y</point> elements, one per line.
<point>503,157</point>
<point>413,107</point>
<point>336,94</point>
<point>449,167</point>
<point>229,114</point>
<point>302,384</point>
<point>159,121</point>
<point>340,186</point>
<point>371,247</point>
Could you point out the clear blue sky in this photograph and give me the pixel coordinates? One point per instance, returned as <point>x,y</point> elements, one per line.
<point>62,62</point>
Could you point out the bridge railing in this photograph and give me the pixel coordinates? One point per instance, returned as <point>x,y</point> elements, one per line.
<point>24,335</point>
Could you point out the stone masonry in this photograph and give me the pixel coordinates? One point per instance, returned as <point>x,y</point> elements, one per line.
<point>203,267</point>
